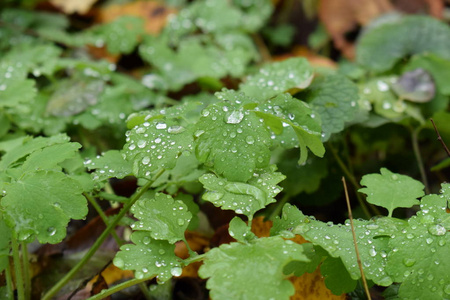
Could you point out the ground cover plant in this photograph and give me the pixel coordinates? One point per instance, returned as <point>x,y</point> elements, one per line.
<point>188,150</point>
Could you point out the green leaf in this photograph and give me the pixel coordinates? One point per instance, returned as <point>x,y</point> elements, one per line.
<point>334,98</point>
<point>277,78</point>
<point>337,278</point>
<point>41,204</point>
<point>29,147</point>
<point>50,157</point>
<point>156,144</point>
<point>110,164</point>
<point>196,57</point>
<point>291,217</point>
<point>302,178</point>
<point>293,119</point>
<point>165,218</point>
<point>13,80</point>
<point>240,231</point>
<point>381,47</point>
<point>149,257</point>
<point>391,190</point>
<point>36,59</point>
<point>121,36</point>
<point>420,252</point>
<point>5,239</point>
<point>251,271</point>
<point>243,198</point>
<point>232,140</point>
<point>315,255</point>
<point>372,237</point>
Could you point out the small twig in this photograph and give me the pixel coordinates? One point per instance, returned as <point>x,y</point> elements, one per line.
<point>440,138</point>
<point>358,258</point>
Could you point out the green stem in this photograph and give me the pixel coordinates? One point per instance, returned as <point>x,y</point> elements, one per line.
<point>351,178</point>
<point>117,288</point>
<point>9,282</point>
<point>17,268</point>
<point>102,215</point>
<point>101,239</point>
<point>191,252</point>
<point>416,149</point>
<point>144,289</point>
<point>26,270</point>
<point>279,207</point>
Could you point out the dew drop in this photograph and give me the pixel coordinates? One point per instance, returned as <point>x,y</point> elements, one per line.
<point>118,262</point>
<point>212,196</point>
<point>161,251</point>
<point>51,231</point>
<point>235,117</point>
<point>372,252</point>
<point>176,271</point>
<point>138,275</point>
<point>447,289</point>
<point>141,144</point>
<point>161,126</point>
<point>409,262</point>
<point>180,222</point>
<point>146,160</point>
<point>146,240</point>
<point>437,230</point>
<point>250,140</point>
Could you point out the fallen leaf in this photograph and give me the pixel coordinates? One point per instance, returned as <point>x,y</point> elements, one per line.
<point>341,17</point>
<point>99,285</point>
<point>73,6</point>
<point>311,286</point>
<point>154,13</point>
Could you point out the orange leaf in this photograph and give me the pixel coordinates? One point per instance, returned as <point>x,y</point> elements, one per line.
<point>153,12</point>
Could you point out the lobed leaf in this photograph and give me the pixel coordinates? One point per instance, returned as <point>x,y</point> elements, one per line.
<point>334,98</point>
<point>243,198</point>
<point>156,144</point>
<point>293,120</point>
<point>41,204</point>
<point>110,164</point>
<point>381,47</point>
<point>277,78</point>
<point>419,257</point>
<point>5,239</point>
<point>251,271</point>
<point>163,217</point>
<point>29,146</point>
<point>391,190</point>
<point>232,140</point>
<point>149,257</point>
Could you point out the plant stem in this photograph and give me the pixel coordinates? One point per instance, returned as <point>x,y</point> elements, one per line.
<point>358,258</point>
<point>9,282</point>
<point>351,178</point>
<point>26,270</point>
<point>416,149</point>
<point>17,268</point>
<point>280,204</point>
<point>117,288</point>
<point>191,252</point>
<point>143,287</point>
<point>101,239</point>
<point>102,215</point>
